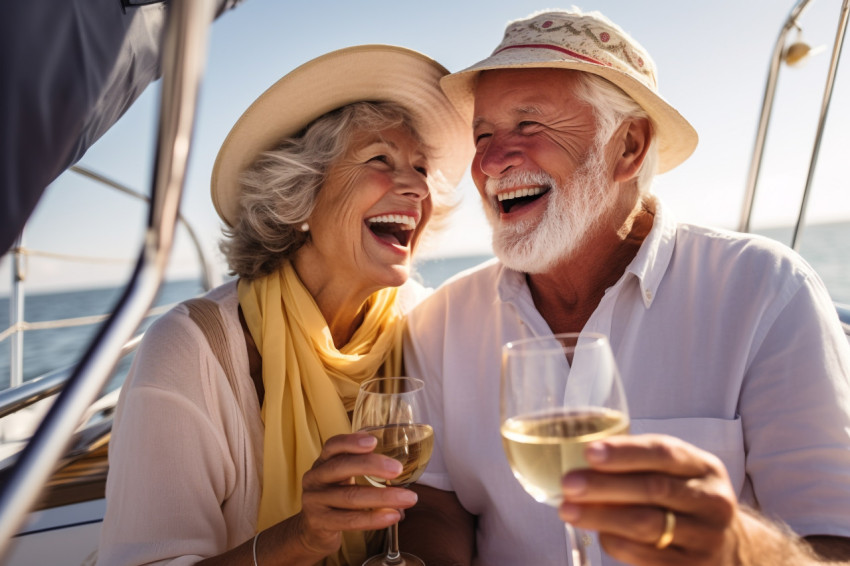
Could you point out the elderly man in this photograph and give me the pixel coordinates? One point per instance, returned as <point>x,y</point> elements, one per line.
<point>735,367</point>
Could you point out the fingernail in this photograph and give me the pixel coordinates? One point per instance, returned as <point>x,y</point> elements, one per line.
<point>569,512</point>
<point>391,465</point>
<point>408,497</point>
<point>390,516</point>
<point>573,484</point>
<point>367,441</point>
<point>596,453</point>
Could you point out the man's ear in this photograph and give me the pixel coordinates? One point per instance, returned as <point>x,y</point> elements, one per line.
<point>633,149</point>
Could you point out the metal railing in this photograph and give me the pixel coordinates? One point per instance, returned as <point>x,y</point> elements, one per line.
<point>183,59</point>
<point>781,52</point>
<point>19,253</point>
<point>51,383</point>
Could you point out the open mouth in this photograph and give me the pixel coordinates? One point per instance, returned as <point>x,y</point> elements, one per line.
<point>396,229</point>
<point>519,197</point>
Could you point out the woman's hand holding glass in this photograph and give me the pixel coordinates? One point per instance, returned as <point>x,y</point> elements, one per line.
<point>332,503</point>
<point>389,409</point>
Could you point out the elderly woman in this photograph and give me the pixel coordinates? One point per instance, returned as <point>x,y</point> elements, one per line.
<point>231,444</point>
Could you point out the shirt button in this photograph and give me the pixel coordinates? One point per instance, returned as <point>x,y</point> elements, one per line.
<point>648,295</point>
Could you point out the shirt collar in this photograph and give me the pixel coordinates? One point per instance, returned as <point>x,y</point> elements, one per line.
<point>650,263</point>
<point>511,285</point>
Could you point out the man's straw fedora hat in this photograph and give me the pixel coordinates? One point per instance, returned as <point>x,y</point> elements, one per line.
<point>362,73</point>
<point>586,42</point>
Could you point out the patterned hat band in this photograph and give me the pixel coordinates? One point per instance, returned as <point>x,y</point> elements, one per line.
<point>587,37</point>
<point>563,50</point>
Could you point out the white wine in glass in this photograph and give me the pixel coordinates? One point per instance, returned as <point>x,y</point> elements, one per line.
<point>410,444</point>
<point>558,393</point>
<point>388,409</point>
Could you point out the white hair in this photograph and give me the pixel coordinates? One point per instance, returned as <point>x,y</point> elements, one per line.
<point>611,107</point>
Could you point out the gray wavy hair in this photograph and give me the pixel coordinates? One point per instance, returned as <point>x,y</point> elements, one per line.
<point>279,190</point>
<point>611,107</point>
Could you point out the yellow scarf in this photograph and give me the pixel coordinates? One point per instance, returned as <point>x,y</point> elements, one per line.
<point>310,385</point>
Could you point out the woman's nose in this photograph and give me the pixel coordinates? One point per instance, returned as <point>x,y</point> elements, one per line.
<point>413,183</point>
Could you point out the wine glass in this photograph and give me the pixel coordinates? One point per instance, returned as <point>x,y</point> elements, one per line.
<point>558,393</point>
<point>388,409</point>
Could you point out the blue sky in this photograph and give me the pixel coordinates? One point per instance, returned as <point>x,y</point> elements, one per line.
<point>712,60</point>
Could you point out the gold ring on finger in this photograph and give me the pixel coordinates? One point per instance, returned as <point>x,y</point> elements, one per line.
<point>669,526</point>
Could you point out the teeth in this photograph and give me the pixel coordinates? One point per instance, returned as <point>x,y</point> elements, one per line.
<point>528,192</point>
<point>407,221</point>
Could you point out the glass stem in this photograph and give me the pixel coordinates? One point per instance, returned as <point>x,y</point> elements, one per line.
<point>393,553</point>
<point>578,552</point>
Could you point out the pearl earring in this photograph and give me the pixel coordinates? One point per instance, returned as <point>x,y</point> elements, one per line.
<point>305,227</point>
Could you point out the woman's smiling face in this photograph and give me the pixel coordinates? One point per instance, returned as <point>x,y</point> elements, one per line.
<point>370,212</point>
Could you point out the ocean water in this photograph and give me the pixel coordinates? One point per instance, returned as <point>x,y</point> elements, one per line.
<point>825,246</point>
<point>45,350</point>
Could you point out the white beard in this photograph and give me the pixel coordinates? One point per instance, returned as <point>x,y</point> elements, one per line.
<point>571,212</point>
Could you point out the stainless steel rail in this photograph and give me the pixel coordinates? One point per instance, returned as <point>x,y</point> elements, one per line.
<point>183,59</point>
<point>51,383</point>
<point>16,313</point>
<point>210,276</point>
<point>767,105</point>
<point>827,96</point>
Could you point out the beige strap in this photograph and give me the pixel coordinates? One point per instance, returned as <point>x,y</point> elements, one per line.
<point>206,315</point>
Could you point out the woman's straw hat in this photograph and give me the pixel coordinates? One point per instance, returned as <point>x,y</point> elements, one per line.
<point>362,73</point>
<point>586,42</point>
